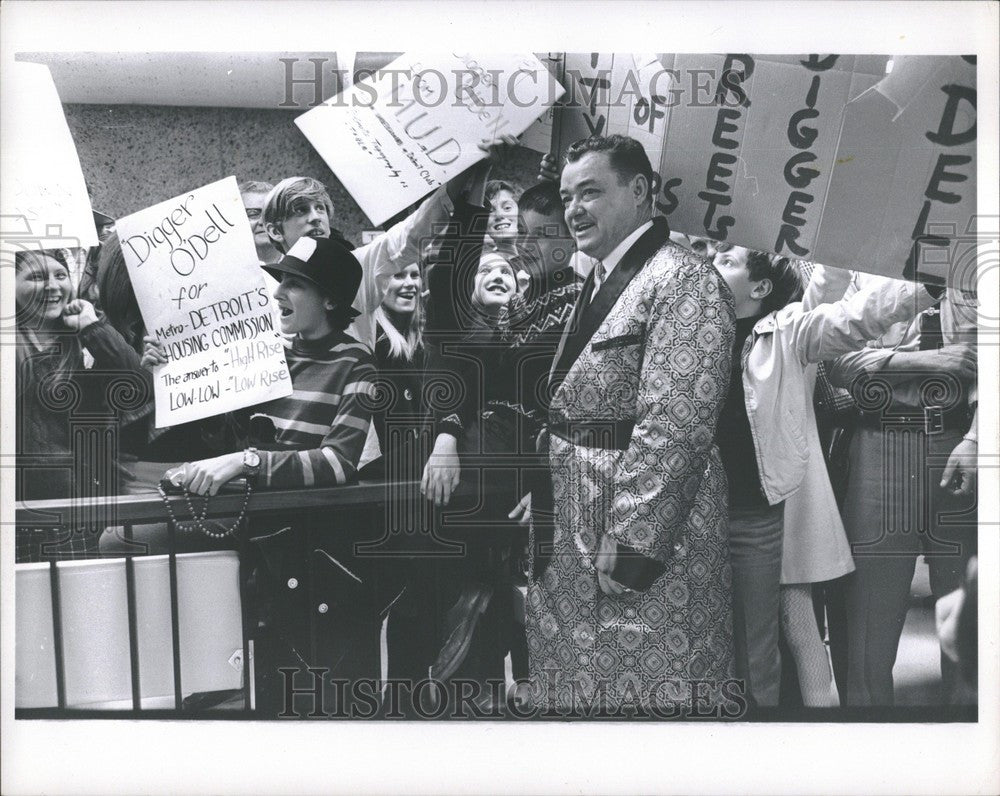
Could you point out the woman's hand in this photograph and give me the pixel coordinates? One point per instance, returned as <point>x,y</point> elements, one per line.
<point>153,353</point>
<point>442,471</point>
<point>79,314</point>
<point>205,477</point>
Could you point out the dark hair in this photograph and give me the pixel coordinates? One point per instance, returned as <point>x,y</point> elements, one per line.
<point>255,186</point>
<point>117,297</point>
<point>786,282</point>
<point>626,155</point>
<point>493,187</point>
<point>543,199</point>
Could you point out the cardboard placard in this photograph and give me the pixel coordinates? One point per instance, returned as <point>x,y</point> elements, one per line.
<point>44,201</point>
<point>394,139</point>
<point>194,269</point>
<point>903,187</point>
<point>820,157</point>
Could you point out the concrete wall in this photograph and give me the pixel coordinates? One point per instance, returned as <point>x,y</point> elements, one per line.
<point>134,156</point>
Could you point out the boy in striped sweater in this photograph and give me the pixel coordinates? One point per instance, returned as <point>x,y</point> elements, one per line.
<point>322,426</point>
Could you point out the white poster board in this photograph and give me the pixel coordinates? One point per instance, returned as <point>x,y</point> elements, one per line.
<point>393,140</point>
<point>43,197</point>
<point>194,269</point>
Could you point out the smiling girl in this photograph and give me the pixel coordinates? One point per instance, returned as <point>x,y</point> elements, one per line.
<point>54,386</point>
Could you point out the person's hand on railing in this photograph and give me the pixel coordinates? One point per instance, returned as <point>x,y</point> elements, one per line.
<point>442,471</point>
<point>153,352</point>
<point>207,476</point>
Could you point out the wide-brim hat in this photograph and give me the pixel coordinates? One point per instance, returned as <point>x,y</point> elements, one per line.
<point>328,264</point>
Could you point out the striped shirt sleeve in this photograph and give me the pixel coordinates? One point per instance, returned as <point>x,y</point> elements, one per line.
<point>335,460</point>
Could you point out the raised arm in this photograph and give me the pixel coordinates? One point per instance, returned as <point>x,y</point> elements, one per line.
<point>829,330</point>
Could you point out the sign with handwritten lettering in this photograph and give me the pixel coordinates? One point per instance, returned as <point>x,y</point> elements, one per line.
<point>827,158</point>
<point>44,202</point>
<point>617,93</point>
<point>195,272</point>
<point>394,139</point>
<point>903,183</point>
<point>749,149</point>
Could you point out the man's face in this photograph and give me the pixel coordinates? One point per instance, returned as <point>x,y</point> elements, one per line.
<point>600,210</point>
<point>306,217</point>
<point>548,238</point>
<point>253,203</point>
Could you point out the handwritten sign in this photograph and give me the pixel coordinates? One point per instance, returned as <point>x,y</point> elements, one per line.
<point>616,93</point>
<point>394,139</point>
<point>842,159</point>
<point>44,202</point>
<point>540,133</point>
<point>904,178</point>
<point>194,269</point>
<point>749,149</point>
<point>829,158</point>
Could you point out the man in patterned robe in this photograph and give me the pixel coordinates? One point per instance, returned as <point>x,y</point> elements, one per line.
<point>629,605</point>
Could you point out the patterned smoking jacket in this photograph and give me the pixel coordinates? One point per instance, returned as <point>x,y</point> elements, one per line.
<point>650,357</point>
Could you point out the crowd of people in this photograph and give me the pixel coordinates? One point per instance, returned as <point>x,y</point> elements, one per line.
<point>691,463</point>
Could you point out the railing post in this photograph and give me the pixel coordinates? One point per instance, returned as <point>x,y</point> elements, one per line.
<point>175,635</point>
<point>57,636</point>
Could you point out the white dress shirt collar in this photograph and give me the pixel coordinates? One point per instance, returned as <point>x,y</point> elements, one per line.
<point>619,251</point>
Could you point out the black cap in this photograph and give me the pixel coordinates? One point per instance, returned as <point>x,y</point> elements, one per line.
<point>328,264</point>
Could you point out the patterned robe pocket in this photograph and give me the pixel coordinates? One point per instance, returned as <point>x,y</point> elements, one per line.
<point>616,342</point>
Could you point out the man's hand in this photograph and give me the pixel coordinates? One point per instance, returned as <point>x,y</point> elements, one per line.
<point>946,613</point>
<point>499,148</point>
<point>79,314</point>
<point>958,359</point>
<point>205,477</point>
<point>607,556</point>
<point>153,353</point>
<point>959,477</point>
<point>522,511</point>
<point>442,471</point>
<point>471,181</point>
<point>548,169</point>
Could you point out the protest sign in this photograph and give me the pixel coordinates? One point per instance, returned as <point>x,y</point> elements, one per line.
<point>44,201</point>
<point>749,149</point>
<point>903,187</point>
<point>539,136</point>
<point>821,157</point>
<point>394,139</point>
<point>194,269</point>
<point>616,93</point>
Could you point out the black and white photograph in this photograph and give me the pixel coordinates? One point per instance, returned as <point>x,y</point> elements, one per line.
<point>477,398</point>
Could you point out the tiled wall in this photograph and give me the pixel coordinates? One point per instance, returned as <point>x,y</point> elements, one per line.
<point>134,156</point>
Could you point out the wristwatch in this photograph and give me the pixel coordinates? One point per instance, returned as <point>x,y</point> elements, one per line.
<point>251,464</point>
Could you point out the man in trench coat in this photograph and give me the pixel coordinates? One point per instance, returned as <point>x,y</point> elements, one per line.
<point>629,605</point>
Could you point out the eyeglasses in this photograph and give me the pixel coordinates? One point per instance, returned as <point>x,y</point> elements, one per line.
<point>253,213</point>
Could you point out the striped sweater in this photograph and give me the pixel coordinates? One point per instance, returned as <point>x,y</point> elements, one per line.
<point>321,427</point>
